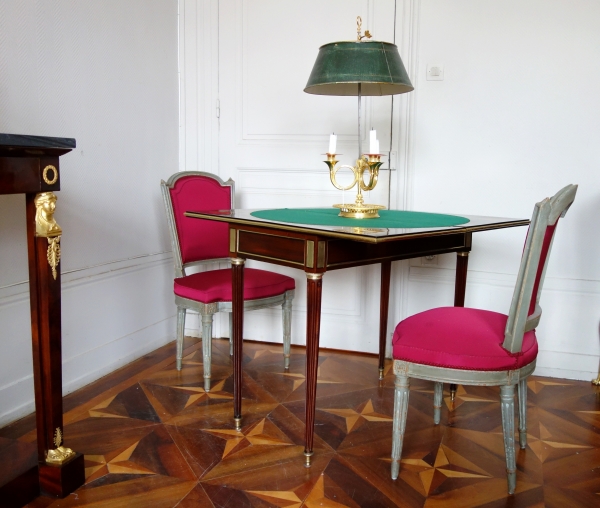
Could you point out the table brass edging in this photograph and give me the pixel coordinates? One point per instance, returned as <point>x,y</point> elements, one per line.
<point>348,236</point>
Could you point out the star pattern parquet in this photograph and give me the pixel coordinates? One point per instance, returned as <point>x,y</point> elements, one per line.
<point>157,438</point>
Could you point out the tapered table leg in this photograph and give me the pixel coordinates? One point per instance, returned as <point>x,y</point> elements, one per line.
<point>460,284</point>
<point>313,325</point>
<point>61,470</point>
<point>386,268</point>
<point>237,303</point>
<point>460,288</point>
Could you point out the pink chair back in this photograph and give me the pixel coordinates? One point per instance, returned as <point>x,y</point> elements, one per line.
<point>194,239</point>
<point>525,311</point>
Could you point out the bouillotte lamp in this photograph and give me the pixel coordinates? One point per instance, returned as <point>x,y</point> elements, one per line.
<point>361,68</point>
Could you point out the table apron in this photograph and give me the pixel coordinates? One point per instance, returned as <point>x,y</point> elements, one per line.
<point>314,253</point>
<point>19,175</point>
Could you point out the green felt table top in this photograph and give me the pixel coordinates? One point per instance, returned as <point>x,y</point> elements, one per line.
<point>388,218</point>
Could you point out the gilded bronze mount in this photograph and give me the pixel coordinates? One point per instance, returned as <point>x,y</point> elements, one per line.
<point>46,226</point>
<point>367,163</point>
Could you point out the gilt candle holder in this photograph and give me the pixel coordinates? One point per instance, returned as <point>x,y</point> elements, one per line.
<point>367,163</point>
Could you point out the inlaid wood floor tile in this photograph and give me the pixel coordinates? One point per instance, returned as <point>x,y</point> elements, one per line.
<point>156,491</point>
<point>158,439</point>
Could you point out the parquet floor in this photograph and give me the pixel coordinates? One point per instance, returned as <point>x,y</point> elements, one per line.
<point>152,437</point>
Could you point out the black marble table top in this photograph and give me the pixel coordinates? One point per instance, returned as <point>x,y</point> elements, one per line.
<point>23,145</point>
<point>27,141</point>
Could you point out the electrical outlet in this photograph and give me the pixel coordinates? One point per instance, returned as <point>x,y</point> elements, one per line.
<point>429,261</point>
<point>435,72</point>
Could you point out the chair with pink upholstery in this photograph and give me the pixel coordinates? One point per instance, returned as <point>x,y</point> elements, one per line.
<point>203,242</point>
<point>479,347</point>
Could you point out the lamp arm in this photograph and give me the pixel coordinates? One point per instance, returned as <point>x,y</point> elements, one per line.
<point>373,176</point>
<point>332,172</point>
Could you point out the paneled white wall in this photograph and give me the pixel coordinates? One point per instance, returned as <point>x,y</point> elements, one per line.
<point>104,73</point>
<point>514,120</point>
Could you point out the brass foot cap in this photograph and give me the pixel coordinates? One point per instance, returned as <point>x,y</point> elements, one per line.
<point>238,423</point>
<point>307,458</point>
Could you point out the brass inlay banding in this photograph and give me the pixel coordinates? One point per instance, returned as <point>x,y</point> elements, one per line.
<point>260,257</point>
<point>232,240</point>
<point>310,254</point>
<point>50,181</point>
<point>320,254</point>
<point>330,233</point>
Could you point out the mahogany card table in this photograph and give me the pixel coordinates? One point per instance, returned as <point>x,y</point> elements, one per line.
<point>317,241</point>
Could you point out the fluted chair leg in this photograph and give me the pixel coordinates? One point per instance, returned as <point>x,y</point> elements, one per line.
<point>522,391</point>
<point>207,320</point>
<point>401,393</point>
<point>287,328</point>
<point>179,338</point>
<point>231,334</point>
<point>438,391</point>
<point>507,403</point>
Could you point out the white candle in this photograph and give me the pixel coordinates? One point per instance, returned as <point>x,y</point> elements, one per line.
<point>332,143</point>
<point>373,142</point>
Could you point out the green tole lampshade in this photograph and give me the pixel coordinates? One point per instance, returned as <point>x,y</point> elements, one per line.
<point>341,66</point>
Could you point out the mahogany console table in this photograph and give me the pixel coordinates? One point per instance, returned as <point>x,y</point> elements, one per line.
<point>319,248</point>
<point>30,165</point>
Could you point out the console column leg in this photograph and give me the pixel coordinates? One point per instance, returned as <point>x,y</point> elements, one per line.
<point>61,470</point>
<point>386,268</point>
<point>313,325</point>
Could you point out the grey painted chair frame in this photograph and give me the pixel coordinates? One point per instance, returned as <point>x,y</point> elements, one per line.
<point>207,311</point>
<point>546,213</point>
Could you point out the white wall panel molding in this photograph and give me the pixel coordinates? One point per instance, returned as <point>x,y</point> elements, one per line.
<point>404,118</point>
<point>14,293</point>
<point>258,54</point>
<point>112,315</point>
<point>16,397</point>
<point>557,284</point>
<point>198,85</point>
<point>405,105</point>
<point>567,365</point>
<point>295,187</point>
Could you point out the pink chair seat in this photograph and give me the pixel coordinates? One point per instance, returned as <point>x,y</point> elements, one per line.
<point>460,338</point>
<point>215,285</point>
